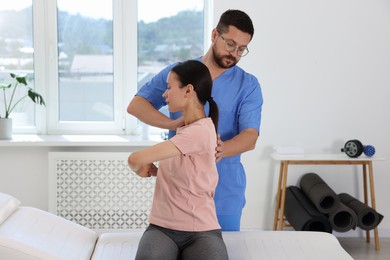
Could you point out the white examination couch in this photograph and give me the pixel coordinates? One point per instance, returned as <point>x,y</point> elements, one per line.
<point>28,233</point>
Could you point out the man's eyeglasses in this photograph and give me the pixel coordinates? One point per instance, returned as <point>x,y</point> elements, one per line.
<point>231,46</point>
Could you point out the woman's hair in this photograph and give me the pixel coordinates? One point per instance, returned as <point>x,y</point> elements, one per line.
<point>197,74</point>
<point>236,18</point>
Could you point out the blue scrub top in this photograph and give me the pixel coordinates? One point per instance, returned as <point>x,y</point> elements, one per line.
<point>239,98</point>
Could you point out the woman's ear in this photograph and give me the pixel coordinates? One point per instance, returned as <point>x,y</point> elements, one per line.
<point>189,90</point>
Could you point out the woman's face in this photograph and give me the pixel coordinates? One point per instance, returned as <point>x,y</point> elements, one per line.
<point>174,95</point>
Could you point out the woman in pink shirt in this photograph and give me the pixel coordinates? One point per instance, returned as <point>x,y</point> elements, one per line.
<point>183,221</point>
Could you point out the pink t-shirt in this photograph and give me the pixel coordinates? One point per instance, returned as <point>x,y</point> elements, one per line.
<point>184,193</point>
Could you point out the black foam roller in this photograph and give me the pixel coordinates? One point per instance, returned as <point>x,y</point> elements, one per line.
<point>302,214</point>
<point>319,193</point>
<point>343,218</point>
<point>367,217</point>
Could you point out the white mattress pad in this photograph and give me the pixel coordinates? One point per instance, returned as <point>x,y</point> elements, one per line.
<point>243,245</point>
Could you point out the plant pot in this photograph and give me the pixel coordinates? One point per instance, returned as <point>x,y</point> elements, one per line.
<point>5,128</point>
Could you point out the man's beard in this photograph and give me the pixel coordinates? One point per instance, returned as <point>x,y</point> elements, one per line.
<point>219,60</point>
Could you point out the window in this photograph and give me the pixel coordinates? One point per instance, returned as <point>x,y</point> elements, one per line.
<point>88,62</point>
<point>85,61</point>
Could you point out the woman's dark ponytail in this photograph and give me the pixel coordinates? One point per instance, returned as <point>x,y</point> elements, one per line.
<point>214,112</point>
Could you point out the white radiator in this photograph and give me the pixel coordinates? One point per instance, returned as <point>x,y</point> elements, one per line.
<point>98,190</point>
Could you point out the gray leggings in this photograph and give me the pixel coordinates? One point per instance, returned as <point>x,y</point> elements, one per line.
<point>162,243</point>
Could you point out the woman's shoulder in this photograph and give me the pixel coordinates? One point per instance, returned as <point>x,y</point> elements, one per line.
<point>199,126</point>
<point>202,123</point>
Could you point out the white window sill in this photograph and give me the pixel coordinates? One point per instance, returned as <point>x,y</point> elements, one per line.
<point>80,140</point>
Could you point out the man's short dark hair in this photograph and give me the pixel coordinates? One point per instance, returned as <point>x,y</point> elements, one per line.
<point>236,18</point>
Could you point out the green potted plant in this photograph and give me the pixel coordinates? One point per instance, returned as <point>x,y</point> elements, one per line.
<point>11,99</point>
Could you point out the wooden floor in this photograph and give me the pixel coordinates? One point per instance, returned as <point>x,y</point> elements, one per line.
<point>359,249</point>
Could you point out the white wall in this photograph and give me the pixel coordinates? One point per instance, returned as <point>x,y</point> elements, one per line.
<point>324,67</point>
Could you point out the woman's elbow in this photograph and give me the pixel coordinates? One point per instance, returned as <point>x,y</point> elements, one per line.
<point>132,160</point>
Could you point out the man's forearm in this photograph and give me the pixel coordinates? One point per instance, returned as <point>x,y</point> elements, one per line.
<point>243,142</point>
<point>144,111</point>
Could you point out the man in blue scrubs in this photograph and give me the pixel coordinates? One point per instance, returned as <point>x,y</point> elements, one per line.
<point>239,98</point>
